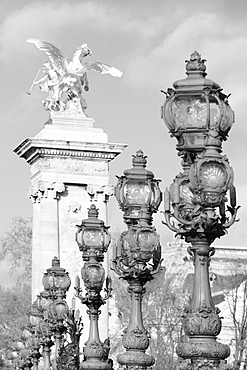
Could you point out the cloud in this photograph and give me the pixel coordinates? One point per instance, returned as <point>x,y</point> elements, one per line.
<point>223,45</point>
<point>150,45</point>
<point>47,20</point>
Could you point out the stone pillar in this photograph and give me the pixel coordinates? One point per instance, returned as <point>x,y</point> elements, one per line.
<point>69,161</point>
<point>45,197</point>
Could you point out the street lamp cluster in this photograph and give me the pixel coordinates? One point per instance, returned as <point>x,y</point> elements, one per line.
<point>49,320</point>
<point>197,113</point>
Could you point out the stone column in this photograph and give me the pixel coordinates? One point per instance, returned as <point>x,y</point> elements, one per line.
<point>69,161</point>
<point>45,197</point>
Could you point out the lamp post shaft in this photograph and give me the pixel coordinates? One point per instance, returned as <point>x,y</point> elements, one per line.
<point>136,338</point>
<point>58,343</point>
<point>47,354</point>
<point>94,327</point>
<point>136,320</point>
<point>201,290</point>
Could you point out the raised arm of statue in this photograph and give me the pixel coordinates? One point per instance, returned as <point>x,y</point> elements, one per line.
<point>40,80</point>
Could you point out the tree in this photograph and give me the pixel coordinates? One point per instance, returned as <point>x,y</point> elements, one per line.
<point>13,315</point>
<point>163,305</point>
<point>16,247</point>
<point>235,294</point>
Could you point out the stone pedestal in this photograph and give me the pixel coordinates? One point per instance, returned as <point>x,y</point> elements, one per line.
<point>69,161</point>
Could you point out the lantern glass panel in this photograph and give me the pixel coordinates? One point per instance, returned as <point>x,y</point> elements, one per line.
<point>214,111</point>
<point>51,281</point>
<point>61,281</point>
<point>185,194</point>
<point>147,240</point>
<point>107,239</point>
<point>93,238</point>
<point>189,112</point>
<point>94,274</point>
<point>137,193</point>
<point>213,175</point>
<point>168,118</point>
<point>155,194</point>
<point>193,139</point>
<point>228,120</point>
<point>45,281</point>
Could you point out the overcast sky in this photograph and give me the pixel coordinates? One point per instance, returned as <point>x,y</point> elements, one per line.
<point>147,40</point>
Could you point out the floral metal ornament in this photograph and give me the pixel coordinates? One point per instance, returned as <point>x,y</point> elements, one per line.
<point>196,205</point>
<point>69,353</point>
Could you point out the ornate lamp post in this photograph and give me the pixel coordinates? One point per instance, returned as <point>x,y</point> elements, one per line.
<point>35,353</point>
<point>93,240</point>
<point>49,316</point>
<point>35,316</point>
<point>57,313</point>
<point>56,282</point>
<point>46,341</point>
<point>39,327</point>
<point>56,279</point>
<point>138,256</point>
<point>197,113</point>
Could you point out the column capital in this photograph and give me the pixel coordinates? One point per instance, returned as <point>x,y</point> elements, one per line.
<point>43,189</point>
<point>106,191</point>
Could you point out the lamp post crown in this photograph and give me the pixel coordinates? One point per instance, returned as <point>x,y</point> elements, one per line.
<point>139,162</point>
<point>93,212</point>
<point>55,262</point>
<point>93,220</point>
<point>139,159</point>
<point>196,80</point>
<point>196,63</point>
<point>56,268</point>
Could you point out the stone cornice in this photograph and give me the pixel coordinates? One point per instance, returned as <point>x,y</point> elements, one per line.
<point>32,149</point>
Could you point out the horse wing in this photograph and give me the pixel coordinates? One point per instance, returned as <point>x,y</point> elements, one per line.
<point>56,56</point>
<point>101,68</point>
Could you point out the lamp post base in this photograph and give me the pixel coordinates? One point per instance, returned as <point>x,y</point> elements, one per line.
<point>204,353</point>
<point>135,359</point>
<point>94,364</point>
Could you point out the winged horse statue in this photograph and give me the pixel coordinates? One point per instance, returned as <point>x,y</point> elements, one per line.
<point>64,79</point>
